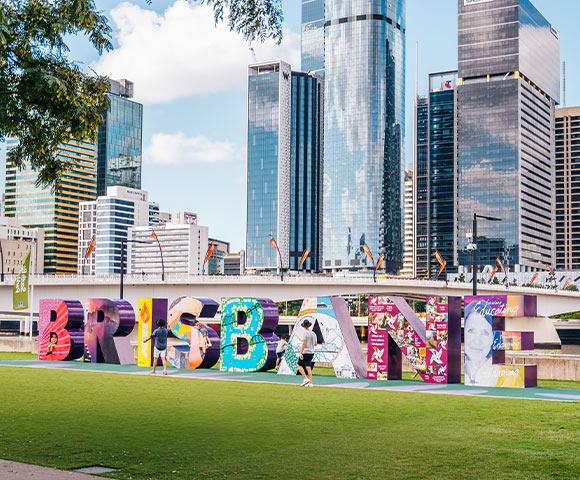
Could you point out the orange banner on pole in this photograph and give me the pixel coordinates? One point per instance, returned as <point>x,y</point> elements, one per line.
<point>493,273</point>
<point>368,252</point>
<point>274,244</point>
<point>500,264</point>
<point>439,258</point>
<point>382,257</point>
<point>91,247</point>
<point>209,252</point>
<point>443,265</point>
<point>535,278</point>
<point>567,283</point>
<point>549,269</point>
<point>304,257</point>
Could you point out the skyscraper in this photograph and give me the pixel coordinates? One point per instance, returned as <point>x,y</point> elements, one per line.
<point>509,84</point>
<point>284,166</point>
<point>568,188</point>
<point>408,269</point>
<point>364,129</point>
<point>436,173</point>
<point>56,212</point>
<point>313,36</point>
<point>120,140</point>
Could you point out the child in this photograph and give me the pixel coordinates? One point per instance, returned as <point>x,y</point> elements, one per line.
<point>307,354</point>
<point>160,349</point>
<point>281,349</point>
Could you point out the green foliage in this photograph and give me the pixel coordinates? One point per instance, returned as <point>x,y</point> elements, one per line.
<point>461,278</point>
<point>45,99</point>
<point>567,316</point>
<point>572,288</point>
<point>495,281</point>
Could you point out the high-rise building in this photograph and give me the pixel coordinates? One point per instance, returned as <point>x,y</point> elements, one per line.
<point>436,174</point>
<point>364,129</point>
<point>313,36</point>
<point>408,269</point>
<point>215,264</point>
<point>55,212</point>
<point>120,140</point>
<point>234,263</point>
<point>109,218</point>
<point>16,241</point>
<point>284,166</point>
<point>184,247</point>
<point>568,188</point>
<point>509,83</point>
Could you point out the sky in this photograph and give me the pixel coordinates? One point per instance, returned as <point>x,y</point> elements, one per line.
<point>191,77</point>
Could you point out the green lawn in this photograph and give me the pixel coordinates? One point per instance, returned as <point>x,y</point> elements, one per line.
<point>163,427</point>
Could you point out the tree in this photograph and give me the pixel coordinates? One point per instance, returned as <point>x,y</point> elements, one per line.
<point>45,99</point>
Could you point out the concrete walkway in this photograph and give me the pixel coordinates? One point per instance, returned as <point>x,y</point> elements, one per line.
<point>24,471</point>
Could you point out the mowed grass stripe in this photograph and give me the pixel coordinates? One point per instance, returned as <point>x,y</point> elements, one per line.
<point>157,427</point>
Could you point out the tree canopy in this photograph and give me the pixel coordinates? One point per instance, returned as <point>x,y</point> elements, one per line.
<point>46,99</point>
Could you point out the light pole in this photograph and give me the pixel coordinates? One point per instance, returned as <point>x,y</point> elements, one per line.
<point>275,245</point>
<point>124,241</point>
<point>2,260</point>
<point>473,246</point>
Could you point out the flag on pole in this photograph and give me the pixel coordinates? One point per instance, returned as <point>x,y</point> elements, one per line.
<point>534,278</point>
<point>549,270</point>
<point>20,289</point>
<point>443,265</point>
<point>91,247</point>
<point>438,257</point>
<point>368,252</point>
<point>304,257</point>
<point>274,244</point>
<point>500,264</point>
<point>209,252</point>
<point>381,258</point>
<point>493,273</point>
<point>567,283</point>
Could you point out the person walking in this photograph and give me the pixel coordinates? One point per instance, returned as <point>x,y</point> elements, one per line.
<point>160,348</point>
<point>307,354</point>
<point>281,349</point>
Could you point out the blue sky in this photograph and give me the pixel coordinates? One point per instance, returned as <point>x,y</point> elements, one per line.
<point>191,77</point>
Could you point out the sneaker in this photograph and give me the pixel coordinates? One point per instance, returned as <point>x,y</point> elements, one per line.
<point>305,383</point>
<point>308,385</point>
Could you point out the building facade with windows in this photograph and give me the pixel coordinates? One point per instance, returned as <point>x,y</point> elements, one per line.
<point>436,175</point>
<point>364,130</point>
<point>408,269</point>
<point>568,188</point>
<point>109,219</point>
<point>120,140</point>
<point>313,36</point>
<point>16,241</point>
<point>57,213</point>
<point>509,84</point>
<point>284,167</point>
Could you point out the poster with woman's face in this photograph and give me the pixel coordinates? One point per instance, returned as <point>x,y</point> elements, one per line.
<point>478,332</point>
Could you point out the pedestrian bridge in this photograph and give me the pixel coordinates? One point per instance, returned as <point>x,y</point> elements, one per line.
<point>550,302</point>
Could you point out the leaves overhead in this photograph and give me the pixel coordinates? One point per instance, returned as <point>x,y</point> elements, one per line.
<point>45,99</point>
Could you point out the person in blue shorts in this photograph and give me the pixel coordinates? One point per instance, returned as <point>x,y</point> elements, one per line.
<point>160,348</point>
<point>307,354</point>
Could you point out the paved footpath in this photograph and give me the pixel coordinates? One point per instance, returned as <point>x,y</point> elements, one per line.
<point>24,471</point>
<point>537,393</point>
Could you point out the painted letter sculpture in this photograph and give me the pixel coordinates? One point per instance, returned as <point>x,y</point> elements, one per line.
<point>248,343</point>
<point>108,324</point>
<point>338,343</point>
<point>203,343</point>
<point>433,348</point>
<point>150,310</point>
<point>60,330</point>
<point>486,341</point>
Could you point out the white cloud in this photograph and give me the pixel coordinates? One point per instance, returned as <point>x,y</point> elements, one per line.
<point>182,52</point>
<point>177,149</point>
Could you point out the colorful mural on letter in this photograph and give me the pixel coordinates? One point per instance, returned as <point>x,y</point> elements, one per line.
<point>203,343</point>
<point>150,310</point>
<point>248,343</point>
<point>433,348</point>
<point>108,324</point>
<point>338,342</point>
<point>60,330</point>
<point>486,341</point>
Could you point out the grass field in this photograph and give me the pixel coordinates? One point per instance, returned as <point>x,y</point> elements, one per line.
<point>163,427</point>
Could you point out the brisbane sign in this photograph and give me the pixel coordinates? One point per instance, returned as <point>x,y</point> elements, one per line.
<point>246,341</point>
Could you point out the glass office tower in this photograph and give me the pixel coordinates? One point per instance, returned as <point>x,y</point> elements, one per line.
<point>120,140</point>
<point>56,212</point>
<point>364,71</point>
<point>508,87</point>
<point>436,173</point>
<point>284,167</point>
<point>313,36</point>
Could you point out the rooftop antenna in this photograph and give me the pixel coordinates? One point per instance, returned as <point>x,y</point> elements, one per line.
<point>564,83</point>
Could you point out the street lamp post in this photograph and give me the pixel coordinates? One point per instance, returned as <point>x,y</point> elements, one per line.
<point>124,241</point>
<point>474,246</point>
<point>2,260</point>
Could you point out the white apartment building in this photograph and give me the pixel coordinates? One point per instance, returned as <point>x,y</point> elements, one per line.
<point>183,247</point>
<point>109,218</point>
<point>16,241</point>
<point>408,269</point>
